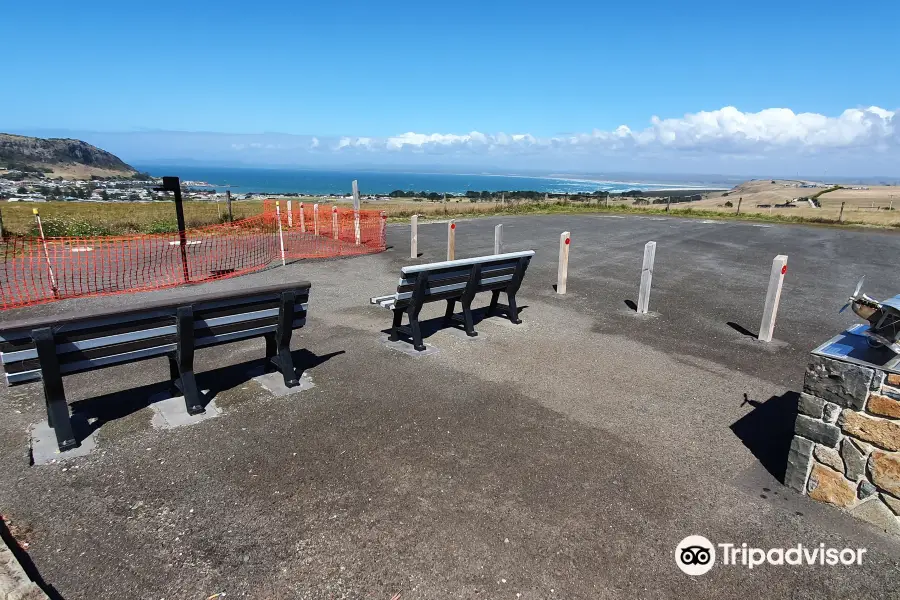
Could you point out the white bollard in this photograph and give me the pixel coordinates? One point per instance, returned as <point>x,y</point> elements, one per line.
<point>316,218</point>
<point>498,239</point>
<point>302,220</point>
<point>643,302</point>
<point>280,233</point>
<point>773,297</point>
<point>414,236</point>
<point>290,214</point>
<point>356,211</point>
<point>562,273</point>
<point>334,222</point>
<point>451,240</point>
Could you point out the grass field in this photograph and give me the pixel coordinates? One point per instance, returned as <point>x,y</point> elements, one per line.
<point>861,208</point>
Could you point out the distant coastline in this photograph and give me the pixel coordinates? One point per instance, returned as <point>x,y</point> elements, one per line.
<point>244,180</point>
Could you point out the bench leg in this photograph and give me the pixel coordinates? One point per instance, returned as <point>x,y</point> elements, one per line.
<point>184,360</point>
<point>468,322</point>
<point>54,393</point>
<point>495,298</point>
<point>448,314</point>
<point>278,347</point>
<point>398,318</point>
<point>513,309</point>
<point>416,332</point>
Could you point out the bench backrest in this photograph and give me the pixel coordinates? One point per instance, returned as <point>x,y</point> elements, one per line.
<point>115,337</point>
<point>447,279</point>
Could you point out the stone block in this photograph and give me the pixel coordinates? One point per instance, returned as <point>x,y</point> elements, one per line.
<point>798,464</point>
<point>883,406</point>
<point>884,471</point>
<point>817,431</point>
<point>810,405</point>
<point>843,383</point>
<point>892,503</point>
<point>891,392</point>
<point>865,490</point>
<point>829,456</point>
<point>893,379</point>
<point>831,412</point>
<point>827,485</point>
<point>875,512</point>
<point>880,432</point>
<point>854,460</point>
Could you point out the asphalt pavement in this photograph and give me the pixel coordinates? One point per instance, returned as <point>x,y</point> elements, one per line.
<point>562,458</point>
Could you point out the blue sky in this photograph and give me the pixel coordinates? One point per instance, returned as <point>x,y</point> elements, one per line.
<point>377,70</point>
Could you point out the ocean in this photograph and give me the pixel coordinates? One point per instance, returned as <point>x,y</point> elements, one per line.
<point>320,182</point>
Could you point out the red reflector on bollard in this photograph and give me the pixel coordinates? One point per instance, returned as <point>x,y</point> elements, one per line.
<point>567,241</point>
<point>784,269</point>
<point>452,225</point>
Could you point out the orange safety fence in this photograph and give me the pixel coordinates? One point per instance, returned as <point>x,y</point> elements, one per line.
<point>34,270</point>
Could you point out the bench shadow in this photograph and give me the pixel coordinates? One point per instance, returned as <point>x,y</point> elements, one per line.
<point>741,329</point>
<point>768,429</point>
<point>91,414</point>
<point>431,326</point>
<point>631,304</point>
<point>21,555</point>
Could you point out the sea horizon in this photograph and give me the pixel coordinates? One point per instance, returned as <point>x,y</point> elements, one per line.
<point>281,180</point>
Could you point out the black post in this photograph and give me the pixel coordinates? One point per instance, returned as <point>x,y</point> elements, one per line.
<point>228,202</point>
<point>173,184</point>
<point>739,205</point>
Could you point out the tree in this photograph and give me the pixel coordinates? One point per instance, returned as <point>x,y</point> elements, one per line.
<point>22,190</point>
<point>104,195</point>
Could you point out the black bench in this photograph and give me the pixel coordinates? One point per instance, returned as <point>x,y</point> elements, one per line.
<point>455,280</point>
<point>50,347</point>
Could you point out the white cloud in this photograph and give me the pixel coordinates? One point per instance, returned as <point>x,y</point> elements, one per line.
<point>725,130</point>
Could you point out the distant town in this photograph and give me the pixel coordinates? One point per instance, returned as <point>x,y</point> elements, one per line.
<point>28,186</point>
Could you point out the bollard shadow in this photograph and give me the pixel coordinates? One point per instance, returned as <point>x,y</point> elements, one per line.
<point>768,429</point>
<point>631,304</point>
<point>741,329</point>
<point>429,327</point>
<point>91,414</point>
<point>24,560</point>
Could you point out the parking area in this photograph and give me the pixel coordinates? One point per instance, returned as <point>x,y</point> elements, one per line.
<point>562,458</point>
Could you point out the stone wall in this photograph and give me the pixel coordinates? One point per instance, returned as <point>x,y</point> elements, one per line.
<point>846,446</point>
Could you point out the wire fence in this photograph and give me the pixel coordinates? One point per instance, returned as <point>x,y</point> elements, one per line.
<point>35,270</point>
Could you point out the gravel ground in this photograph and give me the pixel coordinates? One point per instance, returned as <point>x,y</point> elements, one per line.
<point>563,458</point>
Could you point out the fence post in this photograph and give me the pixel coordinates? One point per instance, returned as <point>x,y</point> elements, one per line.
<point>498,239</point>
<point>739,206</point>
<point>280,233</point>
<point>302,220</point>
<point>451,240</point>
<point>316,218</point>
<point>414,236</point>
<point>228,203</point>
<point>562,273</point>
<point>841,216</point>
<point>53,286</point>
<point>773,296</point>
<point>334,222</point>
<point>290,214</point>
<point>356,211</point>
<point>2,234</point>
<point>668,201</point>
<point>643,302</point>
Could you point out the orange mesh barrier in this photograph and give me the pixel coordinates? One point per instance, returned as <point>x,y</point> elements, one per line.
<point>35,270</point>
